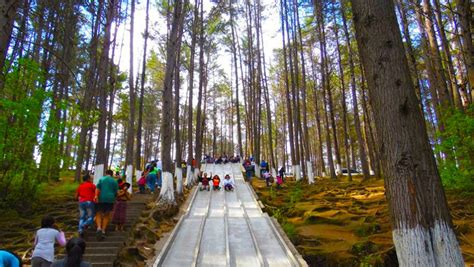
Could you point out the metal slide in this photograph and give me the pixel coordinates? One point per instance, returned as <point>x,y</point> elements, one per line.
<point>226,229</point>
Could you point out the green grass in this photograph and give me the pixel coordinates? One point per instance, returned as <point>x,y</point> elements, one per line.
<point>57,190</point>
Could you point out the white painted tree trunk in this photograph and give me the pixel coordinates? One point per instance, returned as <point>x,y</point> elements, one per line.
<point>427,247</point>
<point>98,172</point>
<point>189,176</point>
<point>309,167</point>
<point>274,173</point>
<point>138,174</point>
<point>296,172</point>
<point>196,174</point>
<point>167,188</point>
<point>129,179</point>
<point>179,180</point>
<point>257,170</point>
<point>338,169</point>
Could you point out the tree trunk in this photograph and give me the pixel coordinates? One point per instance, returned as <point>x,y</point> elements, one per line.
<point>112,84</point>
<point>287,87</point>
<point>437,84</point>
<point>411,54</point>
<point>343,94</point>
<point>191,82</point>
<point>360,138</point>
<point>453,87</point>
<point>421,223</point>
<point>138,152</point>
<point>237,104</point>
<point>8,9</point>
<point>325,86</point>
<point>464,10</point>
<point>86,104</point>
<point>131,120</point>
<point>171,55</point>
<point>177,84</point>
<point>305,131</point>
<point>102,85</point>
<point>199,127</point>
<point>319,154</point>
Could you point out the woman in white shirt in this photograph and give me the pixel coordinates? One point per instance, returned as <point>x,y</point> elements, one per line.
<point>46,236</point>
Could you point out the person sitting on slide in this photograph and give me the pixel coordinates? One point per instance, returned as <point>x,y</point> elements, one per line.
<point>228,183</point>
<point>216,181</point>
<point>204,183</point>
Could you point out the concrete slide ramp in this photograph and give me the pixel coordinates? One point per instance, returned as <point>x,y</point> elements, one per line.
<point>226,229</point>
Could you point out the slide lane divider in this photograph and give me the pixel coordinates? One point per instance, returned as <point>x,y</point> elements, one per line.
<point>226,231</point>
<point>252,234</point>
<point>197,249</point>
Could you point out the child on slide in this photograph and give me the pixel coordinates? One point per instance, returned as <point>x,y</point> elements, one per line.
<point>216,181</point>
<point>228,183</point>
<point>204,183</point>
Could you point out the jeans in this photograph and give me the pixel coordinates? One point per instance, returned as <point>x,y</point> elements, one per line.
<point>86,217</point>
<point>151,181</point>
<point>159,179</point>
<point>249,175</point>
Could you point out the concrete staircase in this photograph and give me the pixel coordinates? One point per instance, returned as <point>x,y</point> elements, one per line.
<point>103,253</point>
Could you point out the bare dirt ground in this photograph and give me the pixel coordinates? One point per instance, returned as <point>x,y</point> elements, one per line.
<point>340,223</point>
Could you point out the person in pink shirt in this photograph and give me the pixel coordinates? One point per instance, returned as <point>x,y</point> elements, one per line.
<point>45,238</point>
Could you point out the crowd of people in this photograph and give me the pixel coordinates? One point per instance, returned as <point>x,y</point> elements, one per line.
<point>222,159</point>
<point>100,204</point>
<point>249,166</point>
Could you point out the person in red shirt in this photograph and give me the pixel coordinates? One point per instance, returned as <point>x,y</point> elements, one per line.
<point>85,195</point>
<point>216,181</point>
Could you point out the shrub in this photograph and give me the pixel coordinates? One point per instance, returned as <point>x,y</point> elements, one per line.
<point>457,142</point>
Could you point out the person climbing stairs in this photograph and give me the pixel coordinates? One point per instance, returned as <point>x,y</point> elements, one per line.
<point>104,253</point>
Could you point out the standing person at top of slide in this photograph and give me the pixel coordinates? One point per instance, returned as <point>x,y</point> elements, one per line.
<point>105,196</point>
<point>85,195</point>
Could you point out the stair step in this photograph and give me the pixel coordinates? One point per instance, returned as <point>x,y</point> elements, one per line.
<point>91,234</point>
<point>99,264</point>
<point>101,249</point>
<point>100,258</point>
<point>94,244</point>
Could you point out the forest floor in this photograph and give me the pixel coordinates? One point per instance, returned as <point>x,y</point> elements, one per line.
<point>18,227</point>
<point>341,223</point>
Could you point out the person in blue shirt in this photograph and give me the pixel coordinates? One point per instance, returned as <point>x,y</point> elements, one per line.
<point>9,259</point>
<point>263,167</point>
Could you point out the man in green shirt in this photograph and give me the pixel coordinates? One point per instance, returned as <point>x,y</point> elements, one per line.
<point>105,194</point>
